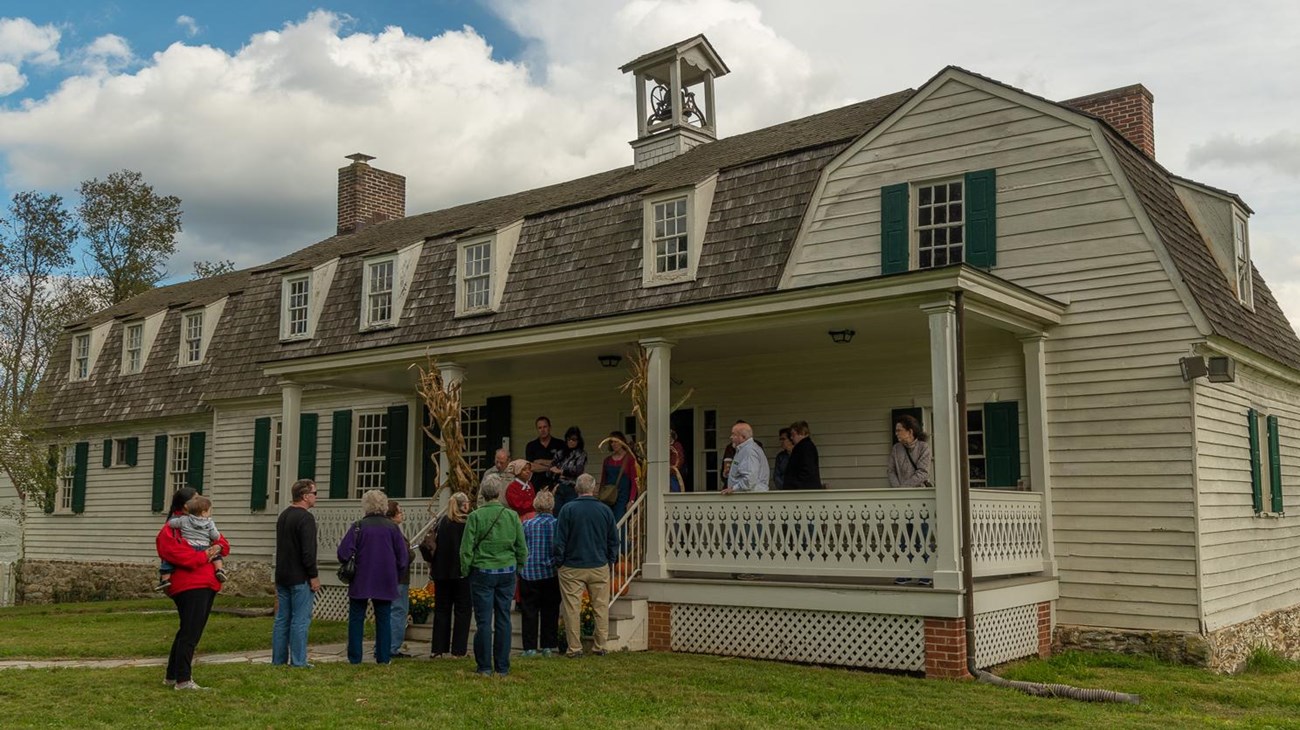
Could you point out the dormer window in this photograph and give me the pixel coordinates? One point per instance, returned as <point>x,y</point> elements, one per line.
<point>476,275</point>
<point>670,236</point>
<point>192,338</point>
<point>81,356</point>
<point>673,233</point>
<point>296,296</point>
<point>1241,254</point>
<point>133,348</point>
<point>940,224</point>
<point>377,309</point>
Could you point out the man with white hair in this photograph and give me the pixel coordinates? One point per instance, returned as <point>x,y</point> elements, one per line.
<point>500,461</point>
<point>749,471</point>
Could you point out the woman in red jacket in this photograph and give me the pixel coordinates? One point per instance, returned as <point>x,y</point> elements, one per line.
<point>520,494</point>
<point>193,588</point>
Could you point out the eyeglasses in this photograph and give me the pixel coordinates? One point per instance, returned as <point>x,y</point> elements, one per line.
<point>311,494</point>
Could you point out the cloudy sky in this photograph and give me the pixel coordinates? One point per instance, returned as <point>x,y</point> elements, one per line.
<point>245,110</point>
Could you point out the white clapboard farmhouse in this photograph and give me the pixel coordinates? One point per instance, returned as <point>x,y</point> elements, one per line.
<point>1132,387</point>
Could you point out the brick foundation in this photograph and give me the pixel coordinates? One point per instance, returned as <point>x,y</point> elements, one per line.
<point>659,625</point>
<point>1044,630</point>
<point>945,648</point>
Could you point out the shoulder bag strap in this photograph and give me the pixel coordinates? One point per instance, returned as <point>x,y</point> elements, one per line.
<point>480,539</point>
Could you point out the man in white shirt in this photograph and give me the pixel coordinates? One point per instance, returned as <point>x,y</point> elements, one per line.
<point>749,471</point>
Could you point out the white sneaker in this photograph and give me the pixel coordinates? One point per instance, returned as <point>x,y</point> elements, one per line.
<point>169,682</point>
<point>188,685</point>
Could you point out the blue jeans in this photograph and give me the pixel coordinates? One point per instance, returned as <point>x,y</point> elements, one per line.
<point>357,629</point>
<point>401,607</point>
<point>491,594</point>
<point>292,617</point>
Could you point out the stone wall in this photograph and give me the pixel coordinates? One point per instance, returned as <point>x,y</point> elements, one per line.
<point>70,581</point>
<point>1278,632</point>
<point>1172,646</point>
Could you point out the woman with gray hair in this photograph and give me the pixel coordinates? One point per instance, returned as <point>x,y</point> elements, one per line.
<point>381,554</point>
<point>492,551</point>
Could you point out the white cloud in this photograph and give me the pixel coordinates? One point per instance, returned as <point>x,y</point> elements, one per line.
<point>188,24</point>
<point>22,40</point>
<point>107,52</point>
<point>1279,151</point>
<point>11,79</point>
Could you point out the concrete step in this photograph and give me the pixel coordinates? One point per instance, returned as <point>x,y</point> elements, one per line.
<point>627,628</point>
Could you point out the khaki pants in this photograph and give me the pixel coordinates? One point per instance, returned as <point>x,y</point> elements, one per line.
<point>572,582</point>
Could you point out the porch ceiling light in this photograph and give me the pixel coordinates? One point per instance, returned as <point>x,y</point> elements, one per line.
<point>609,361</point>
<point>841,337</point>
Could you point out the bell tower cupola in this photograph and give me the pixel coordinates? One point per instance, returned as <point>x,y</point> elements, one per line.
<point>674,99</point>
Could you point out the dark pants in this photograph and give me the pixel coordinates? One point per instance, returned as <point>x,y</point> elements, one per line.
<point>451,612</point>
<point>565,492</point>
<point>193,606</point>
<point>540,599</point>
<point>357,629</point>
<point>492,593</point>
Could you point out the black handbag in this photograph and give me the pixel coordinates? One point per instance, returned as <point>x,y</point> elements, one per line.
<point>348,568</point>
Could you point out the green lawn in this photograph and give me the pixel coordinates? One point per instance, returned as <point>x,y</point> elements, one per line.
<point>620,690</point>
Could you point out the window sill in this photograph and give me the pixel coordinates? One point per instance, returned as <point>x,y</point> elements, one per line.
<point>663,280</point>
<point>379,327</point>
<point>295,338</point>
<point>473,313</point>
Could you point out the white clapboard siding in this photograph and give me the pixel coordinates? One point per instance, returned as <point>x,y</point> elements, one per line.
<point>10,527</point>
<point>1119,416</point>
<point>1248,563</point>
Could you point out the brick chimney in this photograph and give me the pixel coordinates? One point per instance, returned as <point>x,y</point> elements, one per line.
<point>1128,110</point>
<point>368,195</point>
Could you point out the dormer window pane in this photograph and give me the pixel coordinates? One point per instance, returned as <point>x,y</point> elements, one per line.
<point>940,222</point>
<point>478,275</point>
<point>380,297</point>
<point>1241,250</point>
<point>193,337</point>
<point>134,347</point>
<point>81,357</point>
<point>299,294</point>
<point>670,239</point>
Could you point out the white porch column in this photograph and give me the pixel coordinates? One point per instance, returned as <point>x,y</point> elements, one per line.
<point>658,404</point>
<point>452,374</point>
<point>1040,452</point>
<point>290,414</point>
<point>943,441</point>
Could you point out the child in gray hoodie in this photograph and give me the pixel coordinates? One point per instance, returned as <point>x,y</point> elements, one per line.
<point>197,529</point>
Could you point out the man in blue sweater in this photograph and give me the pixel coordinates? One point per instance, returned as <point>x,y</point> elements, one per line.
<point>586,545</point>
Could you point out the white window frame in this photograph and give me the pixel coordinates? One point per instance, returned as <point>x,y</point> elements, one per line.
<point>192,346</point>
<point>947,227</point>
<point>273,477</point>
<point>698,201</point>
<point>473,428</point>
<point>1244,282</point>
<point>369,469</point>
<point>67,475</point>
<point>132,352</point>
<point>483,273</point>
<point>117,454</point>
<point>178,461</point>
<point>80,356</point>
<point>980,455</point>
<point>371,298</point>
<point>670,236</point>
<point>295,316</point>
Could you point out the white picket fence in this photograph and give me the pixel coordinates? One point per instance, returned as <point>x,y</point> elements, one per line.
<point>8,583</point>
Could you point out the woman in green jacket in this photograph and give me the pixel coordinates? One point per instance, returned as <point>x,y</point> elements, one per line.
<point>492,552</point>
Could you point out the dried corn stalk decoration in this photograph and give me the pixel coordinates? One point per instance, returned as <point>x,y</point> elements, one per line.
<point>637,387</point>
<point>443,428</point>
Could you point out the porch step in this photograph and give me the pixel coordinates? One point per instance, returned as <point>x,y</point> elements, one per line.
<point>627,628</point>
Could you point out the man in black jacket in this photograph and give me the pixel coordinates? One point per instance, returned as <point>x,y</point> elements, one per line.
<point>802,471</point>
<point>296,581</point>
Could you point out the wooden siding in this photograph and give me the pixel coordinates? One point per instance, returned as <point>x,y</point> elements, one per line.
<point>1248,562</point>
<point>1119,416</point>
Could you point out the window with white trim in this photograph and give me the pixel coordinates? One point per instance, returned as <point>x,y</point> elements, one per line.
<point>473,428</point>
<point>81,356</point>
<point>133,348</point>
<point>378,306</point>
<point>67,474</point>
<point>117,453</point>
<point>940,224</point>
<point>178,457</point>
<point>273,477</point>
<point>476,276</point>
<point>671,236</point>
<point>297,299</point>
<point>370,451</point>
<point>976,460</point>
<point>192,343</point>
<point>1241,253</point>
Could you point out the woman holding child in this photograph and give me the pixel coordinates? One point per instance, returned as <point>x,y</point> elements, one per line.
<point>193,585</point>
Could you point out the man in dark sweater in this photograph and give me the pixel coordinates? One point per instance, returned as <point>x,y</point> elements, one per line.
<point>803,470</point>
<point>296,582</point>
<point>586,544</point>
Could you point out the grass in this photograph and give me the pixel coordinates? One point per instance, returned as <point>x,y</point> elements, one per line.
<point>135,628</point>
<point>620,690</point>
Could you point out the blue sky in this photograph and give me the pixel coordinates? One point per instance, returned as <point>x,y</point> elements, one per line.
<point>246,109</point>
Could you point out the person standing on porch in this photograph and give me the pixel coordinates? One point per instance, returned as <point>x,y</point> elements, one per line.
<point>749,471</point>
<point>909,459</point>
<point>619,471</point>
<point>451,602</point>
<point>296,579</point>
<point>676,463</point>
<point>382,554</point>
<point>492,552</point>
<point>539,588</point>
<point>586,545</point>
<point>782,458</point>
<point>803,470</point>
<point>573,461</point>
<point>520,493</point>
<point>543,452</point>
<point>500,460</point>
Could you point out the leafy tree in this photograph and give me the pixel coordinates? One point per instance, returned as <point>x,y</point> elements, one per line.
<point>131,231</point>
<point>204,269</point>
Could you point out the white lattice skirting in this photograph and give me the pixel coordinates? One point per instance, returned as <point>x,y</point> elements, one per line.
<point>332,604</point>
<point>1001,636</point>
<point>879,641</point>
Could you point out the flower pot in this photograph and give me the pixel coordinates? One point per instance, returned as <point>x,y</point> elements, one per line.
<point>420,633</point>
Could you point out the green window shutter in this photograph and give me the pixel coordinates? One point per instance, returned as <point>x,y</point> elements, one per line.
<point>197,451</point>
<point>261,463</point>
<point>159,472</point>
<point>981,219</point>
<point>1256,478</point>
<point>428,456</point>
<point>108,453</point>
<point>395,469</point>
<point>79,477</point>
<point>132,450</point>
<point>52,472</point>
<point>307,427</point>
<point>1274,466</point>
<point>496,412</point>
<point>340,454</point>
<point>1002,443</point>
<point>895,251</point>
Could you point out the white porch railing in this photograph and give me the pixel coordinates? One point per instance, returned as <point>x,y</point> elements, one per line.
<point>631,535</point>
<point>1006,532</point>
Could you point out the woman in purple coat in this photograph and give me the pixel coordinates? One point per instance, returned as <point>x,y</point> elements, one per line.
<point>382,554</point>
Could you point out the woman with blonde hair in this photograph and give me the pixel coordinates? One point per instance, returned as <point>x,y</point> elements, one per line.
<point>381,554</point>
<point>451,604</point>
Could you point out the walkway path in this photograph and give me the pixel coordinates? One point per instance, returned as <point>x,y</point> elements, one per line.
<point>322,653</point>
